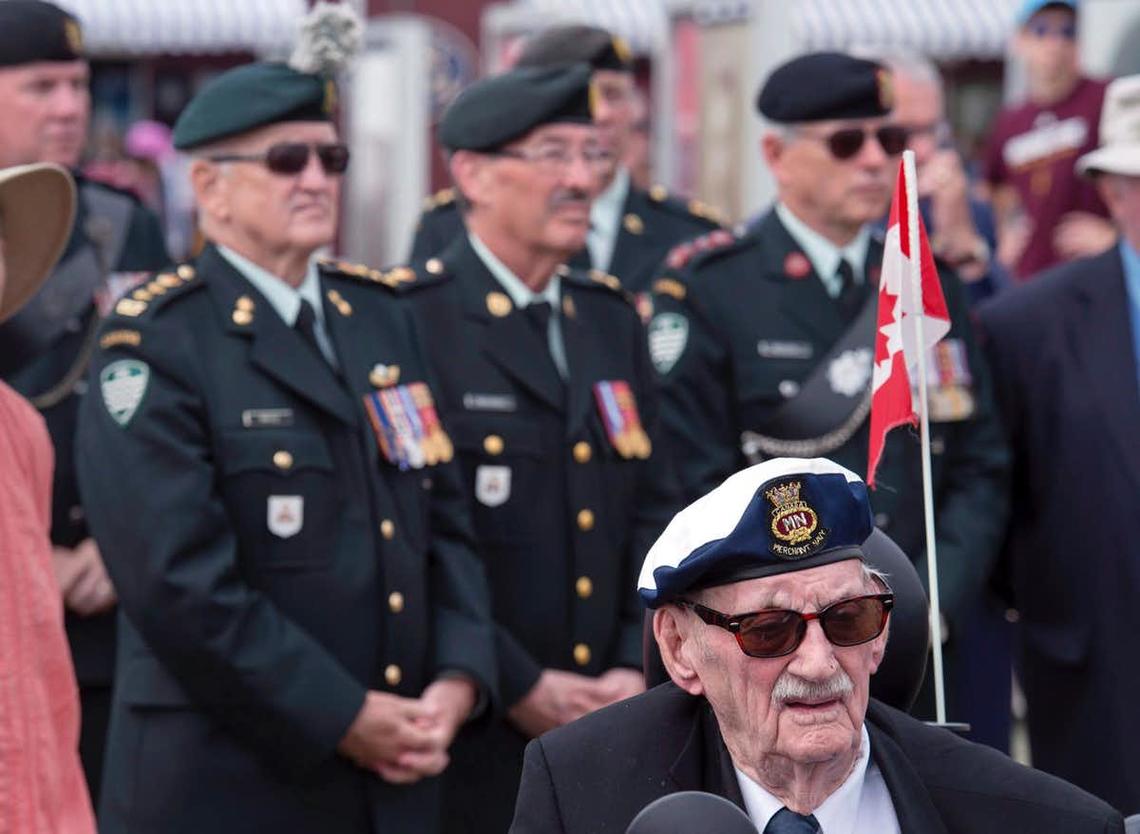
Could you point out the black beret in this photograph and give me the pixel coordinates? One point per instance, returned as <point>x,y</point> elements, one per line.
<point>826,85</point>
<point>32,31</point>
<point>496,110</point>
<point>252,96</point>
<point>577,44</point>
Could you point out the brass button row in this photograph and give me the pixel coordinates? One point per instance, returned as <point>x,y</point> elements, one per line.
<point>584,587</point>
<point>388,529</point>
<point>493,444</point>
<point>582,452</point>
<point>582,654</point>
<point>393,675</point>
<point>585,520</point>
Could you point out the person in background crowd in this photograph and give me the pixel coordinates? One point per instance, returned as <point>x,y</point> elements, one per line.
<point>1065,352</point>
<point>772,708</point>
<point>547,387</point>
<point>764,341</point>
<point>638,158</point>
<point>961,227</point>
<point>306,624</point>
<point>1046,214</point>
<point>41,779</point>
<point>46,348</point>
<point>631,230</point>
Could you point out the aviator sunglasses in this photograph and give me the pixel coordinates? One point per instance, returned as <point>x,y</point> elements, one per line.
<point>777,632</point>
<point>847,142</point>
<point>292,157</point>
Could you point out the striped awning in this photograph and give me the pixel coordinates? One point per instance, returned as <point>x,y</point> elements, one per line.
<point>938,28</point>
<point>135,27</point>
<point>643,24</point>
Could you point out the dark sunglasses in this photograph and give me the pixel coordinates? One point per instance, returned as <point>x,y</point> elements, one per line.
<point>778,632</point>
<point>848,141</point>
<point>292,157</point>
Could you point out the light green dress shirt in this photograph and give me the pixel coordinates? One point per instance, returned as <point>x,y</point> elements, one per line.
<point>825,255</point>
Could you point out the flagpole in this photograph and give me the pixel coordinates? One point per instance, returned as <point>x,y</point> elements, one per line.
<point>911,179</point>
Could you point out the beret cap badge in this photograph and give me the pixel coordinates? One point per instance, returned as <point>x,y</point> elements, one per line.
<point>74,36</point>
<point>794,523</point>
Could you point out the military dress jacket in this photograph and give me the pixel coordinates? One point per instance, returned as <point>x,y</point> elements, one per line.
<point>739,329</point>
<point>652,223</point>
<point>595,775</point>
<point>272,565</point>
<point>43,352</point>
<point>562,516</point>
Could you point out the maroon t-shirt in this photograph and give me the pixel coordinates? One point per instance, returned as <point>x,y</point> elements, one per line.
<point>1034,149</point>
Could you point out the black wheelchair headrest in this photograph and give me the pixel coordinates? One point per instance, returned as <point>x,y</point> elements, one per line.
<point>900,675</point>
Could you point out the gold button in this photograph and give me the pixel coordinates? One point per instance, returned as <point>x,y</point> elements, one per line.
<point>584,586</point>
<point>388,529</point>
<point>242,317</point>
<point>582,654</point>
<point>393,675</point>
<point>583,452</point>
<point>586,520</point>
<point>493,444</point>
<point>395,602</point>
<point>282,459</point>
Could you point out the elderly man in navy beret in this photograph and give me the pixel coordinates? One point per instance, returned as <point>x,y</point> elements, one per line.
<point>770,625</point>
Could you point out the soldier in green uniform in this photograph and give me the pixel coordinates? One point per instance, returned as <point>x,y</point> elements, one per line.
<point>764,341</point>
<point>547,390</point>
<point>306,624</point>
<point>45,349</point>
<point>631,230</point>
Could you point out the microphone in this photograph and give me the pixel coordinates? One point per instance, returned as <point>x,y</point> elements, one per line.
<point>691,812</point>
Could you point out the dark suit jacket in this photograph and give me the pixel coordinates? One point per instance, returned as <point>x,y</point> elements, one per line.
<point>246,646</point>
<point>652,224</point>
<point>595,775</point>
<point>1064,367</point>
<point>563,591</point>
<point>741,297</point>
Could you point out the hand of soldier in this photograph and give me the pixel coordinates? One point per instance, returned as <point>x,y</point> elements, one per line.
<point>453,699</point>
<point>558,698</point>
<point>89,590</point>
<point>621,683</point>
<point>1080,234</point>
<point>401,739</point>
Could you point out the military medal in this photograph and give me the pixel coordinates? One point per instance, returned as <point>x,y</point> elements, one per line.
<point>618,409</point>
<point>407,426</point>
<point>429,418</point>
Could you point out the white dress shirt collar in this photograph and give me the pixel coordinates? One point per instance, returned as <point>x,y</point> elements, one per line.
<point>856,807</point>
<point>519,292</point>
<point>825,255</point>
<point>281,296</point>
<point>605,220</point>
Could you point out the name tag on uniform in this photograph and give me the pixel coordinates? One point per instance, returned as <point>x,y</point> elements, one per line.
<point>267,418</point>
<point>775,349</point>
<point>490,402</point>
<point>285,515</point>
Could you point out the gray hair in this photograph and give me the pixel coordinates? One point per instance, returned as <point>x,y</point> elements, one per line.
<point>911,65</point>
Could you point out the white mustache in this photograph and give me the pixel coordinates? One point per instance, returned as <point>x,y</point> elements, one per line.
<point>794,688</point>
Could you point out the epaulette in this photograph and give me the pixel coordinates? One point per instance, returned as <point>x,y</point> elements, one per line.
<point>683,253</point>
<point>441,198</point>
<point>695,208</point>
<point>597,279</point>
<point>393,279</point>
<point>157,293</point>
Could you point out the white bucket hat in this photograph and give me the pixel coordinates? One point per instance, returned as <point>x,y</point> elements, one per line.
<point>37,208</point>
<point>1119,151</point>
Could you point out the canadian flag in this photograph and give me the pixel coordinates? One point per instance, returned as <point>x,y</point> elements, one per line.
<point>897,348</point>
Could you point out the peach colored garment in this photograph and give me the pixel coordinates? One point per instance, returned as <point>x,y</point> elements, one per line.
<point>41,783</point>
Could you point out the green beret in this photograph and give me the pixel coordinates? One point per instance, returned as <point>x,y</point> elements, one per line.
<point>826,85</point>
<point>577,43</point>
<point>33,31</point>
<point>253,96</point>
<point>496,110</point>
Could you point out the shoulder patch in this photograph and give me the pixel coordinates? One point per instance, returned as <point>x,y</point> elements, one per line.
<point>156,293</point>
<point>680,256</point>
<point>441,198</point>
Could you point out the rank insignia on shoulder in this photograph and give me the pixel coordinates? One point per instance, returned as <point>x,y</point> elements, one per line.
<point>407,426</point>
<point>633,224</point>
<point>116,338</point>
<point>706,212</point>
<point>130,307</point>
<point>680,255</point>
<point>123,384</point>
<point>618,409</point>
<point>671,287</point>
<point>443,197</point>
<point>605,279</point>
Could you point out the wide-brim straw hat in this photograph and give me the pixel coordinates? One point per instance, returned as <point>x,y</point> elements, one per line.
<point>37,208</point>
